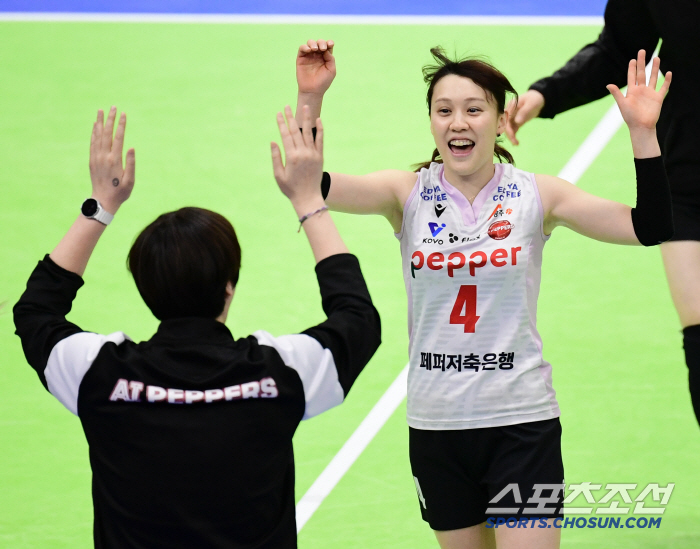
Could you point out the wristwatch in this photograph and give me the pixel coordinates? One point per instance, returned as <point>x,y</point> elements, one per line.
<point>92,209</point>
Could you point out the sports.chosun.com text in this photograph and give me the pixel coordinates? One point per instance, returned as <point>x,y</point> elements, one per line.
<point>574,522</point>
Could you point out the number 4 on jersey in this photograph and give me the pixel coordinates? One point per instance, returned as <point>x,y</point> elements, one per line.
<point>466,302</point>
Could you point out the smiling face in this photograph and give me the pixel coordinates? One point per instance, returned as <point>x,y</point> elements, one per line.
<point>465,122</point>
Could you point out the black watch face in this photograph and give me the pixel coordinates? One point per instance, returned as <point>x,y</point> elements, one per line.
<point>89,207</point>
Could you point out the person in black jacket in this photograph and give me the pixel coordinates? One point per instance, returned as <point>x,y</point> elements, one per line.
<point>631,25</point>
<point>190,433</point>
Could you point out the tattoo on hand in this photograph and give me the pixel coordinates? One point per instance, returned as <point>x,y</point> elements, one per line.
<point>115,182</point>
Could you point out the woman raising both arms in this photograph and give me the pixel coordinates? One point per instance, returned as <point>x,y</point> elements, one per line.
<point>482,412</point>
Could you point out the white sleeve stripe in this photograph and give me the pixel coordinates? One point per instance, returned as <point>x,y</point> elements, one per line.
<point>70,360</point>
<point>315,366</point>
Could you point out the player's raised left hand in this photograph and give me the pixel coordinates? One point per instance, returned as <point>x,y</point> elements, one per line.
<point>299,178</point>
<point>641,107</point>
<point>315,66</point>
<point>112,182</point>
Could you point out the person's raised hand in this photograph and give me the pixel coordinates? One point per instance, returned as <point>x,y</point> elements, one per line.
<point>641,107</point>
<point>299,177</point>
<point>112,181</point>
<point>315,66</point>
<point>528,106</point>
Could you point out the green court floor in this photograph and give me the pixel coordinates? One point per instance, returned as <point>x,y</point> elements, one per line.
<point>201,101</point>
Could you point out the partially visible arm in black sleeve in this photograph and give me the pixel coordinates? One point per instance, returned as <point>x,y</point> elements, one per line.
<point>40,314</point>
<point>652,218</point>
<point>352,331</point>
<point>629,27</point>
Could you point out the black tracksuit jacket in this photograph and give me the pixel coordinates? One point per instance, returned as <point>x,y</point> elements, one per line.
<point>631,25</point>
<point>190,433</point>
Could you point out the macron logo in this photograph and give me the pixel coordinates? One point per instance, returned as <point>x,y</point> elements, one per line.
<point>435,228</point>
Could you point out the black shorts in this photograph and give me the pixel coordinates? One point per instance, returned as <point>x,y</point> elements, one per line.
<point>465,477</point>
<point>686,219</point>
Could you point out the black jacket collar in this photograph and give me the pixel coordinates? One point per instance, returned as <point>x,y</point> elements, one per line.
<point>194,328</point>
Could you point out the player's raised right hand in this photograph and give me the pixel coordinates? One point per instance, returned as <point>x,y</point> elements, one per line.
<point>112,181</point>
<point>641,106</point>
<point>315,66</point>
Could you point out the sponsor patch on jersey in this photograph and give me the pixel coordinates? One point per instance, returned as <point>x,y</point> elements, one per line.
<point>433,193</point>
<point>439,209</point>
<point>510,190</point>
<point>500,212</point>
<point>436,261</point>
<point>497,211</point>
<point>500,229</point>
<point>435,228</point>
<point>471,238</point>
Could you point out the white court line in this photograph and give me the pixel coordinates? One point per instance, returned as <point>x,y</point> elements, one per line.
<point>284,19</point>
<point>592,146</point>
<point>352,449</point>
<point>394,395</point>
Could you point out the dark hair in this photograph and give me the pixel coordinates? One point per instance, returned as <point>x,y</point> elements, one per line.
<point>182,261</point>
<point>483,74</point>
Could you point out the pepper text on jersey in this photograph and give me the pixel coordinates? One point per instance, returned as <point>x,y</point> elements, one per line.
<point>457,260</point>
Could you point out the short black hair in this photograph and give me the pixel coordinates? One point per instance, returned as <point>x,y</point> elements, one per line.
<point>182,262</point>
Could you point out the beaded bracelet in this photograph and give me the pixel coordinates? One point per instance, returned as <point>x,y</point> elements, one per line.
<point>304,218</point>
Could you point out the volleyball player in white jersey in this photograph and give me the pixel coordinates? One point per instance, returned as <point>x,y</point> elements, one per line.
<point>482,412</point>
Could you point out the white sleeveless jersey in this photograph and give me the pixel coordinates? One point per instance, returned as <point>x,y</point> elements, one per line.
<point>472,275</point>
